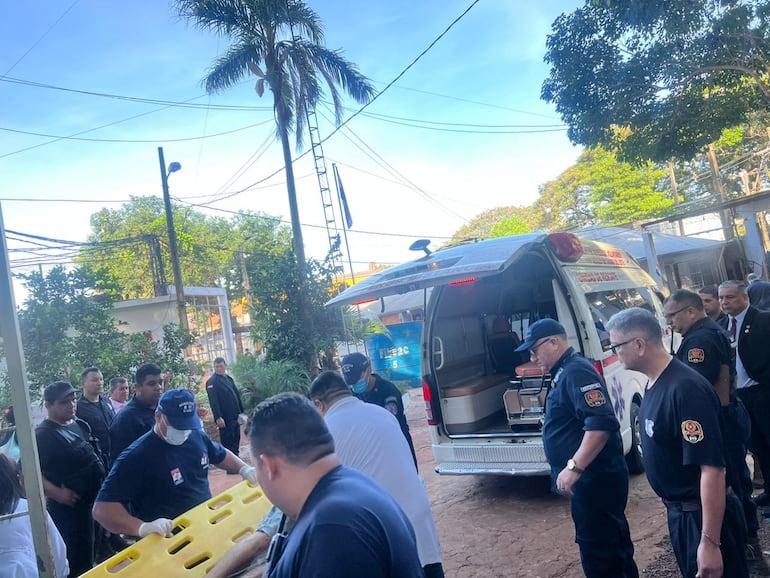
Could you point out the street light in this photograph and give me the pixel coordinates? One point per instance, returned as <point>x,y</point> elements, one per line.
<point>172,244</point>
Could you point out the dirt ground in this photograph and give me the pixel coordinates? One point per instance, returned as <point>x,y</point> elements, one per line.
<point>494,526</point>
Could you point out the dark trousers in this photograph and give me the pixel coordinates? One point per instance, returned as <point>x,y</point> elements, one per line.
<point>601,528</point>
<point>433,570</point>
<point>684,527</point>
<point>757,401</point>
<point>230,435</point>
<point>76,526</point>
<point>735,435</point>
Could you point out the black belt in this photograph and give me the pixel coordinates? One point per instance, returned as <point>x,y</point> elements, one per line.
<point>687,506</point>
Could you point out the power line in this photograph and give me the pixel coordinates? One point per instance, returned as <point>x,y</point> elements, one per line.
<point>378,95</point>
<point>138,99</point>
<point>39,40</point>
<point>153,140</point>
<point>392,170</point>
<point>470,131</point>
<point>405,70</point>
<point>401,184</point>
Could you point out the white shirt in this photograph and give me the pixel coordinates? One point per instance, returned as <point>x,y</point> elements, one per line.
<point>742,378</point>
<point>17,550</point>
<point>369,439</point>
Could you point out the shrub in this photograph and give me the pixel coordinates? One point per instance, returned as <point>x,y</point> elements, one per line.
<point>258,379</point>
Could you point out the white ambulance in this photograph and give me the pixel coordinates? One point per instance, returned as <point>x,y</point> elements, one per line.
<point>485,403</point>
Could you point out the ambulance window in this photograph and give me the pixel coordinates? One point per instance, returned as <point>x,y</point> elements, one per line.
<point>604,304</point>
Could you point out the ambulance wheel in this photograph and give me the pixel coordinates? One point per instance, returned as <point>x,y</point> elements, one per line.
<point>634,455</point>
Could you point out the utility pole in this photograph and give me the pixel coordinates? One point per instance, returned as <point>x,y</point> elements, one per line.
<point>675,189</point>
<point>727,228</point>
<point>172,244</point>
<point>25,429</point>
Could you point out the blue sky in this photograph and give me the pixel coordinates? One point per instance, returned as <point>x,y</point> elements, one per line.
<point>486,71</point>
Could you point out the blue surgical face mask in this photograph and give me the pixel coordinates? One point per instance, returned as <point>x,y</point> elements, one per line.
<point>359,386</point>
<point>176,437</point>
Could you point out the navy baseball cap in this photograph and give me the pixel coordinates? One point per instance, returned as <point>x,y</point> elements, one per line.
<point>58,391</point>
<point>180,409</point>
<point>353,366</point>
<point>539,330</point>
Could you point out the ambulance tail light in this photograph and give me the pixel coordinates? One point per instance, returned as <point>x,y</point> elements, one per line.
<point>463,281</point>
<point>364,301</point>
<point>599,367</point>
<point>566,246</point>
<point>427,396</point>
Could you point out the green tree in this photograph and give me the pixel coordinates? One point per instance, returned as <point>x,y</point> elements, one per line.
<point>658,80</point>
<point>278,320</point>
<point>133,239</point>
<point>510,226</point>
<point>600,189</point>
<point>66,325</point>
<point>482,226</point>
<point>281,42</point>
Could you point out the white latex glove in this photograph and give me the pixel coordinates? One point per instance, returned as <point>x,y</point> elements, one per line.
<point>161,526</point>
<point>249,473</point>
<point>242,418</point>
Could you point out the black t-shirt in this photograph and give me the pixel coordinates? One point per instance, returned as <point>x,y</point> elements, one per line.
<point>679,422</point>
<point>68,458</point>
<point>99,415</point>
<point>131,423</point>
<point>577,403</point>
<point>705,348</point>
<point>387,395</point>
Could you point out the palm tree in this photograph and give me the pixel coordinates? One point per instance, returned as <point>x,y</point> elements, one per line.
<point>281,43</point>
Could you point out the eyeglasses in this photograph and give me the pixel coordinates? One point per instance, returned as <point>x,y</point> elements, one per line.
<point>534,348</point>
<point>615,346</point>
<point>670,316</point>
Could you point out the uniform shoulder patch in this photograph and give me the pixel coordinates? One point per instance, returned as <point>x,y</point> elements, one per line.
<point>696,355</point>
<point>595,398</point>
<point>692,431</point>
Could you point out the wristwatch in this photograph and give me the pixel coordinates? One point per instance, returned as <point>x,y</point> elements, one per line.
<point>573,467</point>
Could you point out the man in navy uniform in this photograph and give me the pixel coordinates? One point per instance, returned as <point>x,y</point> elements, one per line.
<point>682,451</point>
<point>706,348</point>
<point>165,472</point>
<point>226,405</point>
<point>138,416</point>
<point>581,437</point>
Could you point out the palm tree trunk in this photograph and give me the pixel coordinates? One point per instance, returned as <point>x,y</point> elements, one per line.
<point>298,244</point>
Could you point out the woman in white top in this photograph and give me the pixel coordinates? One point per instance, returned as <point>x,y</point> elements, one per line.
<point>17,551</point>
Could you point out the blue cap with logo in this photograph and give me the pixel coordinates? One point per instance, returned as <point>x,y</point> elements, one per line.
<point>353,366</point>
<point>539,330</point>
<point>180,409</point>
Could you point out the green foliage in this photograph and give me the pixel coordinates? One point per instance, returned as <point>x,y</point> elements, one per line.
<point>597,189</point>
<point>277,315</point>
<point>600,189</point>
<point>670,75</point>
<point>204,246</point>
<point>260,379</point>
<point>511,226</point>
<point>66,325</point>
<point>481,226</point>
<point>5,393</point>
<point>282,45</point>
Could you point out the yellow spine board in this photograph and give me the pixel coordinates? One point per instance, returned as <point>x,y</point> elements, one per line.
<point>201,537</point>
